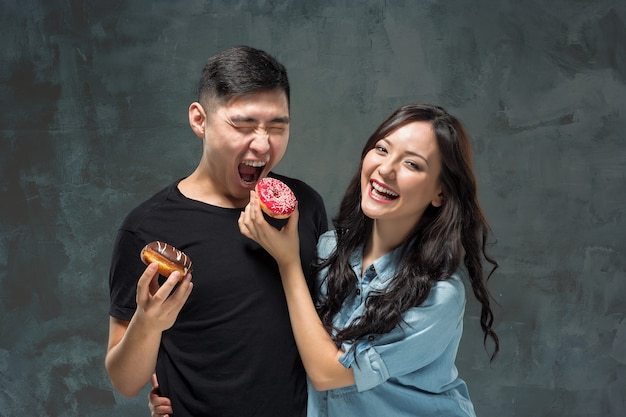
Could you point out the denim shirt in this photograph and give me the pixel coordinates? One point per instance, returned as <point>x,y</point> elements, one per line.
<point>409,371</point>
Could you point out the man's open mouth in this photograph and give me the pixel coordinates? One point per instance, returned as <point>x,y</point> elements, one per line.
<point>250,171</point>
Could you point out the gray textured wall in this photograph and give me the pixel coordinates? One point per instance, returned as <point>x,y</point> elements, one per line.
<point>93,119</point>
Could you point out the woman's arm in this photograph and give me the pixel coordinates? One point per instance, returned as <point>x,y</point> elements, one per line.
<point>318,352</point>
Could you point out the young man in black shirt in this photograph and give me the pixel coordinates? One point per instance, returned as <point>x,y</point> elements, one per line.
<point>220,343</point>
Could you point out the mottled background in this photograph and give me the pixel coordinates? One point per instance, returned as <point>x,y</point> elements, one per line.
<point>93,120</point>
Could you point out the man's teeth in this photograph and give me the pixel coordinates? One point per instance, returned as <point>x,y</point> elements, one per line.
<point>382,191</point>
<point>256,164</point>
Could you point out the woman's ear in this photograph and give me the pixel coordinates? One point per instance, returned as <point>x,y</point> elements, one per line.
<point>438,200</point>
<point>197,119</point>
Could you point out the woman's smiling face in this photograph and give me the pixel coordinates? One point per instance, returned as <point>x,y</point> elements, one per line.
<point>400,175</point>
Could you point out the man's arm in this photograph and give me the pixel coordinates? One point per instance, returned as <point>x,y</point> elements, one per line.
<point>133,346</point>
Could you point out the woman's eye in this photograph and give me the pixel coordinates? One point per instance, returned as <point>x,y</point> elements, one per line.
<point>380,148</point>
<point>413,165</point>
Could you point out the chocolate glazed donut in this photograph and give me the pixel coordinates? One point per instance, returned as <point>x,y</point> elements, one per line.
<point>167,257</point>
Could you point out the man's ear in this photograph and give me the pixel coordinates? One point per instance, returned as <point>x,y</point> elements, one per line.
<point>197,119</point>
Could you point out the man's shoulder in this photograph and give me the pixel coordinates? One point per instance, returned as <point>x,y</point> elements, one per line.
<point>293,183</point>
<point>301,189</point>
<point>310,202</point>
<point>148,205</point>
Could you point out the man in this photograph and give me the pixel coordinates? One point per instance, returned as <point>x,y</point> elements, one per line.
<point>220,344</point>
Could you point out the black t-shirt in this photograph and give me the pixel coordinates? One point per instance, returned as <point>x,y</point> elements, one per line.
<point>231,351</point>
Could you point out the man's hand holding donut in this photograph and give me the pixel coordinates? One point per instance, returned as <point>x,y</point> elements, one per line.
<point>157,304</point>
<point>133,346</point>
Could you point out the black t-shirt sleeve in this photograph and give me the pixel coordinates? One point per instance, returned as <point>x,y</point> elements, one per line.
<point>322,216</point>
<point>126,268</point>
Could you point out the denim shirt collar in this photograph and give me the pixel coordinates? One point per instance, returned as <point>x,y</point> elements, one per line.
<point>382,269</point>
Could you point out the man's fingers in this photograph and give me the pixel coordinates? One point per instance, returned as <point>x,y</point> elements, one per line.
<point>154,283</point>
<point>166,289</point>
<point>181,294</point>
<point>145,282</point>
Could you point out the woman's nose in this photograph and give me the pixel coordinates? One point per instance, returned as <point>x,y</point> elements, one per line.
<point>387,169</point>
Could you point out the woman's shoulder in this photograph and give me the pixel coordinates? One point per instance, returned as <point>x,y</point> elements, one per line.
<point>451,290</point>
<point>326,243</point>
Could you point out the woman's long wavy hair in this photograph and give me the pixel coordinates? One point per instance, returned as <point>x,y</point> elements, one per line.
<point>443,238</point>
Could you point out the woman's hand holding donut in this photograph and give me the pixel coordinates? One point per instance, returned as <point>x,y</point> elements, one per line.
<point>283,244</point>
<point>157,304</point>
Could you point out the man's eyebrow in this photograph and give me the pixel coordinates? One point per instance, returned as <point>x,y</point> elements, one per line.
<point>242,119</point>
<point>284,120</point>
<point>246,119</point>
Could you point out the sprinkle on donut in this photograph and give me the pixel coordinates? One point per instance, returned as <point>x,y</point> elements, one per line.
<point>276,198</point>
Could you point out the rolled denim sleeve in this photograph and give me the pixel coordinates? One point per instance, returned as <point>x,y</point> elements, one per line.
<point>369,369</point>
<point>430,331</point>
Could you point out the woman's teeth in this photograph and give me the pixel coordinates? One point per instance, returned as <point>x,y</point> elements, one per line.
<point>382,192</point>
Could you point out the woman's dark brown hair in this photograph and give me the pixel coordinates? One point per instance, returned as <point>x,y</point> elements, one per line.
<point>445,237</point>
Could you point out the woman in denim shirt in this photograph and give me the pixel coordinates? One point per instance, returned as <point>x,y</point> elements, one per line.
<point>383,337</point>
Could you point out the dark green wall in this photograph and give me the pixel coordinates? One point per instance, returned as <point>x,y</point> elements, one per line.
<point>93,119</point>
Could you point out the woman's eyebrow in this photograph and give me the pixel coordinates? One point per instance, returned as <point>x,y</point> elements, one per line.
<point>417,155</point>
<point>409,153</point>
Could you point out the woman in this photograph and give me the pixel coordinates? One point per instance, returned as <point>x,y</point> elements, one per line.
<point>383,337</point>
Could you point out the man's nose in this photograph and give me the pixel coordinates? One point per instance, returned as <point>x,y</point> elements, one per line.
<point>261,141</point>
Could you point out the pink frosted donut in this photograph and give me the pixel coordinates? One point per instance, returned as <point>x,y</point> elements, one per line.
<point>277,199</point>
